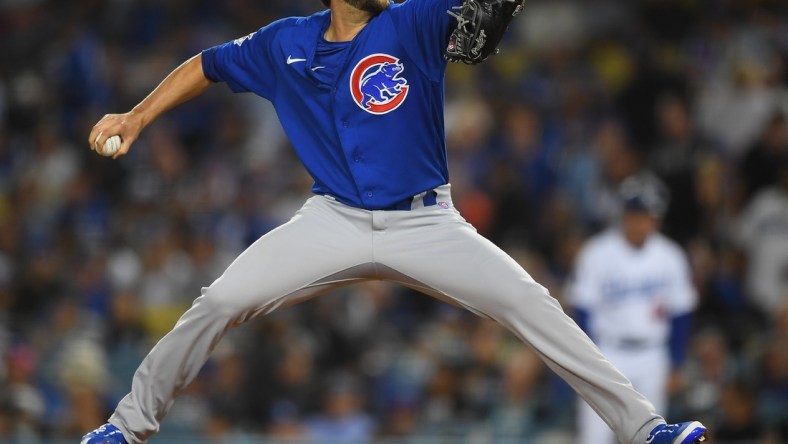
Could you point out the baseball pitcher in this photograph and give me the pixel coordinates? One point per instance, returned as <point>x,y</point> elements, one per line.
<point>359,91</point>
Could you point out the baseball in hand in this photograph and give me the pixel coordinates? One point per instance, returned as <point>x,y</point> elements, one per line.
<point>111,146</point>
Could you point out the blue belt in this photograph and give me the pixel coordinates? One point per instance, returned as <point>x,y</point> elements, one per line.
<point>636,344</point>
<point>429,199</point>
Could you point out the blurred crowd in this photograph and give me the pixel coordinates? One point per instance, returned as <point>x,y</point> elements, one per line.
<point>98,258</point>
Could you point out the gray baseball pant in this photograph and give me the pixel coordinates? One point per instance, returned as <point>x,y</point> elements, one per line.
<point>327,245</point>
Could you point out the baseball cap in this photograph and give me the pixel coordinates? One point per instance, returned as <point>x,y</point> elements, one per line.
<point>644,192</point>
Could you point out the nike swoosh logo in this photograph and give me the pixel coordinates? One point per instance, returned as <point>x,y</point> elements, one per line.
<point>291,60</point>
<point>317,67</point>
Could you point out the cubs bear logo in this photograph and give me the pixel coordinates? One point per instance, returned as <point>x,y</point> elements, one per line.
<point>376,85</point>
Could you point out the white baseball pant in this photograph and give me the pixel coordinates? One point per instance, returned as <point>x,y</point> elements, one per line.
<point>648,368</point>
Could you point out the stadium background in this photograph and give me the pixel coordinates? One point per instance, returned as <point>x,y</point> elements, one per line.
<point>98,258</point>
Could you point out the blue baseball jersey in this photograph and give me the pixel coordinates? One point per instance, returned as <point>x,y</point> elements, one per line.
<point>366,116</point>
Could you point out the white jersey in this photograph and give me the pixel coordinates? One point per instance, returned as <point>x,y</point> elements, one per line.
<point>631,293</point>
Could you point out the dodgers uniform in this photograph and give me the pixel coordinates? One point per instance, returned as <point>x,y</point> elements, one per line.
<point>366,119</point>
<point>633,297</point>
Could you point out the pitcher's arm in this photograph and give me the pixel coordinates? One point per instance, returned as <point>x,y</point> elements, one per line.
<point>184,83</point>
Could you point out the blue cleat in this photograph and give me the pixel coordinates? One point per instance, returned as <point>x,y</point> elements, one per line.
<point>106,434</point>
<point>685,433</point>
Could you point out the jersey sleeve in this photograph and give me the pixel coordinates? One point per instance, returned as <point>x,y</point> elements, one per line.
<point>682,297</point>
<point>244,64</point>
<point>423,27</point>
<point>583,288</point>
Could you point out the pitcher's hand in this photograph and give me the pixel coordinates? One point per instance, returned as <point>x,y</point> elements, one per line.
<point>128,126</point>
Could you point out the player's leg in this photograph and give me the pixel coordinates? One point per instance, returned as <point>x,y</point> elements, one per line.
<point>649,369</point>
<point>590,427</point>
<point>435,250</point>
<point>322,247</point>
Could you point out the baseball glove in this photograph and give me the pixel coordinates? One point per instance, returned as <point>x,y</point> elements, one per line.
<point>480,27</point>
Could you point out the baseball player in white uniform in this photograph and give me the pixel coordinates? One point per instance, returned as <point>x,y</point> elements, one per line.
<point>632,293</point>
